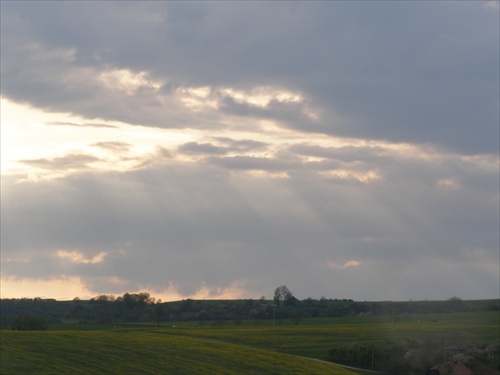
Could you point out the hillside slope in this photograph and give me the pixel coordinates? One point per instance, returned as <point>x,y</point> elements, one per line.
<point>142,352</point>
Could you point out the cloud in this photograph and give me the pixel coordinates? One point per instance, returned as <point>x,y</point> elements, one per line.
<point>208,156</point>
<point>127,81</point>
<point>67,162</point>
<point>241,145</point>
<point>201,148</point>
<point>77,257</point>
<point>348,264</point>
<point>113,146</point>
<point>307,66</point>
<point>251,163</point>
<point>65,288</point>
<point>233,291</point>
<point>494,4</point>
<point>60,123</point>
<point>208,226</point>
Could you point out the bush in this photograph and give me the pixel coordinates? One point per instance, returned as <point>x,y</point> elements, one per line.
<point>29,322</point>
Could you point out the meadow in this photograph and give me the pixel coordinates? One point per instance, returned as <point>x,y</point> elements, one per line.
<point>228,349</point>
<point>142,351</point>
<point>314,337</point>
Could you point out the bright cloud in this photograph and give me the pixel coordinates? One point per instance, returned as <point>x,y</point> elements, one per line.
<point>348,264</point>
<point>127,81</point>
<point>80,258</point>
<point>236,290</point>
<point>197,98</point>
<point>63,288</point>
<point>262,96</point>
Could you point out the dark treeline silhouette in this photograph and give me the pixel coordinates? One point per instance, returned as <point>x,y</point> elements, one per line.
<point>141,307</point>
<point>28,322</point>
<point>414,356</point>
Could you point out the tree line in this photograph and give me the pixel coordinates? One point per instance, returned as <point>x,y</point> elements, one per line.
<point>142,307</point>
<point>414,356</point>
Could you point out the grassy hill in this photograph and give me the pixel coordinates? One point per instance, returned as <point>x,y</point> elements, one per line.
<point>142,352</point>
<point>314,337</point>
<point>191,348</point>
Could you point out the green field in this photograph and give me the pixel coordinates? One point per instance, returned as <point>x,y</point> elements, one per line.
<point>314,340</point>
<point>142,352</point>
<point>210,349</point>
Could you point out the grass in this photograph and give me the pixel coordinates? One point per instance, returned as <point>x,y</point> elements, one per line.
<point>193,349</point>
<point>315,340</point>
<point>142,352</point>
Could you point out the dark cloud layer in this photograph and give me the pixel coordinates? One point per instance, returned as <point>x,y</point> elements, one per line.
<point>424,72</point>
<point>197,224</point>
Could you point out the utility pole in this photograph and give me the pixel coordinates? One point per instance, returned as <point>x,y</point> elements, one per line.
<point>274,311</point>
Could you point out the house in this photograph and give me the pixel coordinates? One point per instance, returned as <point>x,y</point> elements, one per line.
<point>450,369</point>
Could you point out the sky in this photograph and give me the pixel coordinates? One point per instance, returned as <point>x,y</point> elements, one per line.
<point>345,149</point>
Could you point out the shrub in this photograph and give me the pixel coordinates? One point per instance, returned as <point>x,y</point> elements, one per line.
<point>29,322</point>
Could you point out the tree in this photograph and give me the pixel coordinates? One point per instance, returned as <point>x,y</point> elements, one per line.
<point>282,293</point>
<point>29,322</point>
<point>455,304</point>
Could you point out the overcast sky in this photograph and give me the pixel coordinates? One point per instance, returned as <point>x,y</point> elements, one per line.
<point>222,149</point>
